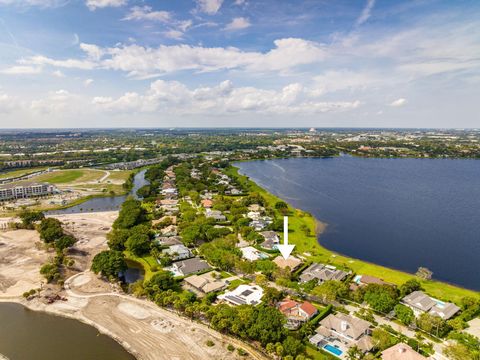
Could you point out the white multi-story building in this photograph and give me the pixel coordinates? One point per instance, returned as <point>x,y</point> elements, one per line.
<point>26,190</point>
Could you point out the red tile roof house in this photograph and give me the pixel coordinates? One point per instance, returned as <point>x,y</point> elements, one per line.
<point>206,203</point>
<point>296,313</point>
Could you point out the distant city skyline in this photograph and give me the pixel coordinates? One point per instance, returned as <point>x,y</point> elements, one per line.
<point>239,63</point>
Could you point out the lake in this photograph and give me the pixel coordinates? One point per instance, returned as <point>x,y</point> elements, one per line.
<point>108,203</point>
<point>400,213</point>
<point>26,334</point>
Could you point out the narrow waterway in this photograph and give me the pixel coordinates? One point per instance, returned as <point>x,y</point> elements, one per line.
<point>32,335</point>
<point>109,203</point>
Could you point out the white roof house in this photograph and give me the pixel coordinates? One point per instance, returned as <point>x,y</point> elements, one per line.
<point>252,254</point>
<point>243,294</point>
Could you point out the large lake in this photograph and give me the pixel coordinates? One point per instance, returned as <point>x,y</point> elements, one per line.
<point>26,334</point>
<point>401,213</point>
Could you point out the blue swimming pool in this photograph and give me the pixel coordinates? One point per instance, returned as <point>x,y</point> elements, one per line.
<point>333,350</point>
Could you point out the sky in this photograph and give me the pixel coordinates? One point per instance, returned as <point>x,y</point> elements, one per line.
<point>239,63</point>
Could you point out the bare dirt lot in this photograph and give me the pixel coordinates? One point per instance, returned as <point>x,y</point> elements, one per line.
<point>146,330</point>
<point>21,256</point>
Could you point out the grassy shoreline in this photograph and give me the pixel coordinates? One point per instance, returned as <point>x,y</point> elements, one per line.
<point>308,245</point>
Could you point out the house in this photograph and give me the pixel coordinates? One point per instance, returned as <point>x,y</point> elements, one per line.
<point>207,203</point>
<point>170,230</point>
<point>215,214</point>
<point>243,294</point>
<point>364,280</point>
<point>258,225</point>
<point>321,273</point>
<point>178,252</point>
<point>296,313</point>
<point>420,303</point>
<point>171,202</point>
<point>292,262</point>
<point>255,207</point>
<point>271,240</point>
<point>337,333</point>
<point>205,283</point>
<point>188,266</point>
<point>252,254</point>
<point>168,240</point>
<point>401,351</point>
<point>254,215</point>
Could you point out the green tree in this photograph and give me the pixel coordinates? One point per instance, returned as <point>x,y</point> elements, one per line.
<point>292,346</point>
<point>330,291</point>
<point>29,217</point>
<point>139,244</point>
<point>160,281</point>
<point>64,242</point>
<point>382,339</point>
<point>109,263</point>
<point>50,271</point>
<point>404,314</point>
<point>50,229</point>
<point>381,298</point>
<point>409,287</point>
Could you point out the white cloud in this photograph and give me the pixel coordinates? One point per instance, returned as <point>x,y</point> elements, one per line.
<point>141,62</point>
<point>239,2</point>
<point>174,34</point>
<point>176,98</point>
<point>238,23</point>
<point>146,13</point>
<point>55,102</point>
<point>366,12</point>
<point>7,103</point>
<point>88,82</point>
<point>99,4</point>
<point>58,73</point>
<point>93,51</point>
<point>21,70</point>
<point>209,7</point>
<point>398,102</point>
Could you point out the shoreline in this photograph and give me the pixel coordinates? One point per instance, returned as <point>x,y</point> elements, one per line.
<point>437,288</point>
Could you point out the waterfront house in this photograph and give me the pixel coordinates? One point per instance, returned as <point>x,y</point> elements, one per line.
<point>364,280</point>
<point>420,303</point>
<point>243,295</point>
<point>188,266</point>
<point>401,351</point>
<point>337,333</point>
<point>291,262</point>
<point>296,313</point>
<point>252,254</point>
<point>178,252</point>
<point>322,273</point>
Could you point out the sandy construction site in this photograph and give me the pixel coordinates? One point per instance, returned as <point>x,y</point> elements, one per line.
<point>146,330</point>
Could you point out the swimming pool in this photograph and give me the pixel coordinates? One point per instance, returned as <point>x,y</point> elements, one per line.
<point>332,349</point>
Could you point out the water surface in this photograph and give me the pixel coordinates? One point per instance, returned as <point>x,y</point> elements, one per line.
<point>110,203</point>
<point>26,335</point>
<point>401,213</point>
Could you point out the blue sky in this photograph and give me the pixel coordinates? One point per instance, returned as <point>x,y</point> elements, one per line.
<point>128,63</point>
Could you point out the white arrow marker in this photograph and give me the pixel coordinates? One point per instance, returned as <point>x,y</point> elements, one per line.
<point>285,249</point>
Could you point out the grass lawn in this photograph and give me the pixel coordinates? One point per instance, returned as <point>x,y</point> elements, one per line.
<point>309,244</point>
<point>20,172</point>
<point>148,262</point>
<point>121,175</point>
<point>71,176</point>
